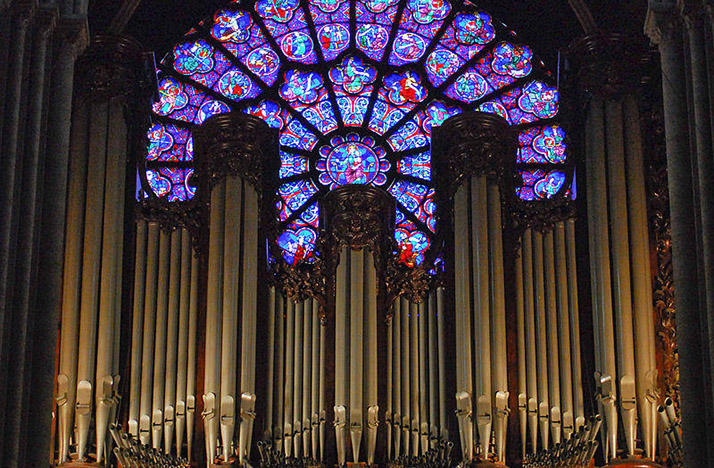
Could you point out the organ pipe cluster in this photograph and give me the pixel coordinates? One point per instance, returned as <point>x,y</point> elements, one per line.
<point>672,432</point>
<point>481,368</point>
<point>130,453</point>
<point>162,380</point>
<point>550,394</point>
<point>620,276</point>
<point>295,420</point>
<point>88,377</point>
<point>229,398</point>
<point>416,415</point>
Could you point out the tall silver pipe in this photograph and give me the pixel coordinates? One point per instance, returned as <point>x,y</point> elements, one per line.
<point>406,379</point>
<point>390,383</point>
<point>183,326</point>
<point>280,313</point>
<point>433,371</point>
<point>249,309</point>
<point>398,377</point>
<point>323,409</point>
<point>371,345</point>
<point>191,356</point>
<point>531,351</point>
<point>574,324</point>
<point>232,221</point>
<point>137,324</point>
<point>356,373</point>
<point>415,384</point>
<point>521,337</point>
<point>552,332</point>
<point>306,378</point>
<point>441,345</point>
<point>298,350</point>
<point>566,375</point>
<point>341,354</point>
<point>172,340</point>
<point>315,388</point>
<point>72,284</point>
<point>289,373</point>
<point>423,377</point>
<point>214,310</point>
<point>147,351</point>
<point>481,312</point>
<point>270,384</point>
<point>90,273</point>
<point>162,298</point>
<point>622,293</point>
<point>542,338</point>
<point>645,370</point>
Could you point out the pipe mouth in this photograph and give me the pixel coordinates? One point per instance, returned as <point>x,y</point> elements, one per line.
<point>660,409</point>
<point>668,401</point>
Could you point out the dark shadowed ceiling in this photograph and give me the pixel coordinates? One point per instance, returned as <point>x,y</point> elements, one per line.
<point>547,25</point>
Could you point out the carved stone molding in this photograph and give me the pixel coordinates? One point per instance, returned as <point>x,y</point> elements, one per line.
<point>111,66</point>
<point>190,215</point>
<point>609,65</point>
<point>471,144</point>
<point>235,144</point>
<point>357,216</point>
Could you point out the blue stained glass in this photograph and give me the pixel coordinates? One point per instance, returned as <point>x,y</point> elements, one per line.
<point>540,145</point>
<point>293,195</point>
<point>331,146</point>
<point>291,164</point>
<point>169,143</point>
<point>418,165</point>
<point>540,185</point>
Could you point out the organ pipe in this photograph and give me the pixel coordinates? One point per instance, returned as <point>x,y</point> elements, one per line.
<point>270,387</point>
<point>162,297</point>
<point>423,378</point>
<point>323,410</point>
<point>191,355</point>
<point>315,379</point>
<point>552,340</point>
<point>297,379</point>
<point>280,364</point>
<point>371,345</point>
<point>521,337</point>
<point>441,343</point>
<point>229,320</point>
<point>306,374</point>
<point>356,327</point>
<point>406,379</point>
<point>214,295</point>
<point>566,375</point>
<point>574,324</point>
<point>183,338</point>
<point>341,357</point>
<point>172,340</point>
<point>542,340</point>
<point>289,373</point>
<point>481,310</point>
<point>530,329</point>
<point>390,383</point>
<point>147,352</point>
<point>137,328</point>
<point>433,371</point>
<point>67,378</point>
<point>397,375</point>
<point>91,263</point>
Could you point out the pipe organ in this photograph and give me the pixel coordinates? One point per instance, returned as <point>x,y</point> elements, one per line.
<point>349,358</point>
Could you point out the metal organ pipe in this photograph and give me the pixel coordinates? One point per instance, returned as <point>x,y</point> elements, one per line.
<point>371,345</point>
<point>162,297</point>
<point>297,379</point>
<point>214,302</point>
<point>406,379</point>
<point>356,369</point>
<point>306,374</point>
<point>172,340</point>
<point>72,284</point>
<point>530,332</point>
<point>433,371</point>
<point>566,375</point>
<point>191,356</point>
<point>280,365</point>
<point>542,339</point>
<point>390,383</point>
<point>183,337</point>
<point>270,386</point>
<point>498,320</point>
<point>315,379</point>
<point>232,215</point>
<point>521,333</point>
<point>441,344</point>
<point>574,324</point>
<point>397,377</point>
<point>552,333</point>
<point>481,312</point>
<point>341,357</point>
<point>289,372</point>
<point>147,352</point>
<point>423,377</point>
<point>91,262</point>
<point>137,328</point>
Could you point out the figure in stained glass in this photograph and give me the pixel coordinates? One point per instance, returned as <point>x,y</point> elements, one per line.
<point>436,114</point>
<point>372,36</point>
<point>471,86</point>
<point>512,60</point>
<point>269,112</point>
<point>540,99</point>
<point>210,108</point>
<point>353,75</point>
<point>296,45</point>
<point>171,97</point>
<point>550,185</point>
<point>427,11</point>
<point>443,63</point>
<point>405,87</point>
<point>301,86</point>
<point>159,141</point>
<point>193,57</point>
<point>409,46</point>
<point>333,37</point>
<point>550,143</point>
<point>277,10</point>
<point>352,160</point>
<point>474,29</point>
<point>263,61</point>
<point>234,84</point>
<point>232,26</point>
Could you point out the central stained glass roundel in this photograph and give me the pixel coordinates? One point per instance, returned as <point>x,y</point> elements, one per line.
<point>355,88</point>
<point>352,160</point>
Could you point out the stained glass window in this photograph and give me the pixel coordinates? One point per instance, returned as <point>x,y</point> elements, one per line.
<point>355,88</point>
